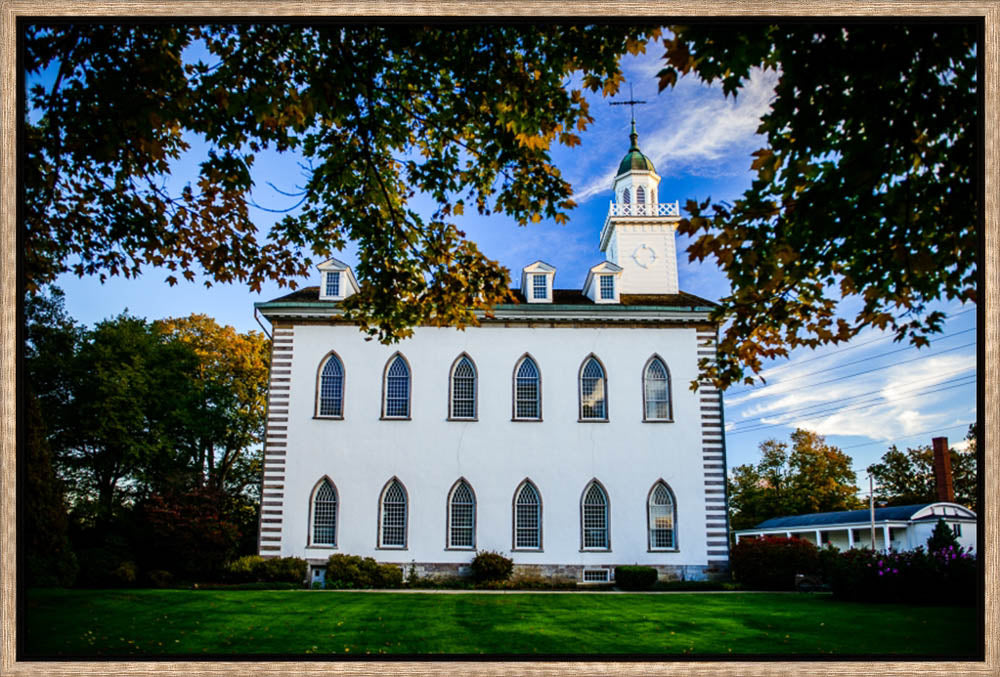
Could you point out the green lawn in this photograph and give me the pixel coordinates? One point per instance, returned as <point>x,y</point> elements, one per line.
<point>83,623</point>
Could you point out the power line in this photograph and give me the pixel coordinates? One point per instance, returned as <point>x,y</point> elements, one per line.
<point>868,371</point>
<point>926,432</point>
<point>864,343</point>
<point>867,359</point>
<point>837,409</point>
<point>870,392</point>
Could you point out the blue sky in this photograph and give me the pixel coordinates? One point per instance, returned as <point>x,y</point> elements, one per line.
<point>864,395</point>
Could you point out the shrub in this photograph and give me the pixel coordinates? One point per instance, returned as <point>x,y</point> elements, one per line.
<point>942,537</point>
<point>635,577</point>
<point>99,565</point>
<point>126,573</point>
<point>158,578</point>
<point>351,571</point>
<point>491,566</point>
<point>771,562</point>
<point>284,570</point>
<point>947,576</point>
<point>257,569</point>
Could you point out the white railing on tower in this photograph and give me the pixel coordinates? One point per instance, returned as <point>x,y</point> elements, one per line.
<point>652,209</point>
<point>658,209</point>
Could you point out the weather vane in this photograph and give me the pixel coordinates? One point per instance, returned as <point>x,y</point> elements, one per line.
<point>631,102</point>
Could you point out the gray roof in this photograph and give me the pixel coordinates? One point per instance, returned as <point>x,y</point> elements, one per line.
<point>895,512</point>
<point>559,296</point>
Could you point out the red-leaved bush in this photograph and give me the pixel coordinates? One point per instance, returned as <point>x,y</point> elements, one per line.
<point>771,562</point>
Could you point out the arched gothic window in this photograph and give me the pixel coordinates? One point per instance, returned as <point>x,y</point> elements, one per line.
<point>662,518</point>
<point>656,391</point>
<point>527,517</point>
<point>593,391</point>
<point>626,197</point>
<point>331,388</point>
<point>462,399</point>
<point>462,517</point>
<point>396,389</point>
<point>527,390</point>
<point>640,195</point>
<point>594,517</point>
<point>324,514</point>
<point>392,531</point>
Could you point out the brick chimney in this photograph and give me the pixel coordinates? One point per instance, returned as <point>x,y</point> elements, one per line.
<point>942,470</point>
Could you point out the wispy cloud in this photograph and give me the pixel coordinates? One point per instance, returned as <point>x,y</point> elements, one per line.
<point>703,133</point>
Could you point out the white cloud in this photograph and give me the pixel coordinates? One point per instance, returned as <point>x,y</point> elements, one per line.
<point>702,132</point>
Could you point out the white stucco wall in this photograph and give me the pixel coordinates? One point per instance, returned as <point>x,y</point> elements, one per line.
<point>494,454</point>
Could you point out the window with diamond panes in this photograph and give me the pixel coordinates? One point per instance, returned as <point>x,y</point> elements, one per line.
<point>331,388</point>
<point>595,517</point>
<point>394,516</point>
<point>462,526</point>
<point>333,284</point>
<point>397,389</point>
<point>527,518</point>
<point>463,389</point>
<point>324,515</point>
<point>539,286</point>
<point>593,404</point>
<point>656,384</point>
<point>661,518</point>
<point>607,287</point>
<point>527,393</point>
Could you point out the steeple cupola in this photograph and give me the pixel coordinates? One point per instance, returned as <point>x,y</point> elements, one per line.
<point>634,160</point>
<point>638,233</point>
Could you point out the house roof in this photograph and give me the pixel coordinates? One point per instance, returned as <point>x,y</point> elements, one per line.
<point>890,513</point>
<point>568,297</point>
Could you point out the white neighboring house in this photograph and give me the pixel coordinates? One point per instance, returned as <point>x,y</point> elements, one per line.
<point>561,432</point>
<point>903,527</point>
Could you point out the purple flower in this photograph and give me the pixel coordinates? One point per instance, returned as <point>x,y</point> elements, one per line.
<point>880,573</point>
<point>895,571</point>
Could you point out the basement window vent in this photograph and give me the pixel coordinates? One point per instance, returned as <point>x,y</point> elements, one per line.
<point>596,575</point>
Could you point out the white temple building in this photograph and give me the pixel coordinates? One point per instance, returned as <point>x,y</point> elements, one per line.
<point>562,432</point>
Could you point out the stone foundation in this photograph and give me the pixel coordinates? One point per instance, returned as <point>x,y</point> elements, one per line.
<point>571,572</point>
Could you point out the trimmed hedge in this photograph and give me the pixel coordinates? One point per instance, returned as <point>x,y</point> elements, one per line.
<point>491,566</point>
<point>257,569</point>
<point>635,577</point>
<point>352,571</point>
<point>771,562</point>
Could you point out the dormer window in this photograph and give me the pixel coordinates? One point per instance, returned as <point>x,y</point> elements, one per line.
<point>602,283</point>
<point>537,282</point>
<point>607,287</point>
<point>333,283</point>
<point>539,288</point>
<point>336,281</point>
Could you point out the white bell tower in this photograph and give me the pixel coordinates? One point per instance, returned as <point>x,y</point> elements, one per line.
<point>638,232</point>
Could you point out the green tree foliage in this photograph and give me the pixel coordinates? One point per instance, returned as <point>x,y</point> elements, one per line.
<point>225,423</point>
<point>465,115</point>
<point>131,394</point>
<point>865,189</point>
<point>942,537</point>
<point>49,557</point>
<point>143,418</point>
<point>812,477</point>
<point>907,477</point>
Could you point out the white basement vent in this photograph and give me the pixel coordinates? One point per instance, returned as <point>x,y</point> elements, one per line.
<point>596,575</point>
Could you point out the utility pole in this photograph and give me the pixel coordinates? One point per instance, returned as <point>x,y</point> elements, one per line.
<point>871,508</point>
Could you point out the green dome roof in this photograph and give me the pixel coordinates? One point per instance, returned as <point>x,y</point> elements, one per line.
<point>634,160</point>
